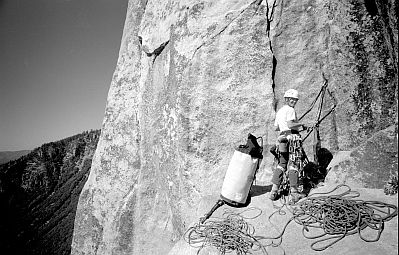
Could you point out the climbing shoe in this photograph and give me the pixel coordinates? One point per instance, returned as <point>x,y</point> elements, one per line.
<point>273,195</point>
<point>296,196</point>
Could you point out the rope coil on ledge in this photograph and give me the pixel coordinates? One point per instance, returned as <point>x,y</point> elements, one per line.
<point>341,215</point>
<point>332,217</point>
<point>227,234</point>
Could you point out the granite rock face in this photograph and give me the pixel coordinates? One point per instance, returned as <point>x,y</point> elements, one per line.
<point>195,77</point>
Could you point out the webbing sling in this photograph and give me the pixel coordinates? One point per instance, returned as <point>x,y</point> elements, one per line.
<point>320,118</point>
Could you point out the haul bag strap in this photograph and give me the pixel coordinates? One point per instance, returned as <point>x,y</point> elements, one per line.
<point>252,147</point>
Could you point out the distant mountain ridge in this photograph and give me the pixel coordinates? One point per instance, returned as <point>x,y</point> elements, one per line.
<point>39,193</point>
<point>6,156</point>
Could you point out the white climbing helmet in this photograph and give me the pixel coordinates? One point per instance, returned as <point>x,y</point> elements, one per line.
<point>293,93</point>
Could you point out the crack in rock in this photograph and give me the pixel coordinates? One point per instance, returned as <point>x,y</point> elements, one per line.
<point>158,50</point>
<point>256,2</point>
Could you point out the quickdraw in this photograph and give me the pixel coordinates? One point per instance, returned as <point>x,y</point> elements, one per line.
<point>296,153</point>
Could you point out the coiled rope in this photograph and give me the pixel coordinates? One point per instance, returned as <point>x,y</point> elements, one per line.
<point>331,216</point>
<point>227,234</point>
<point>341,215</point>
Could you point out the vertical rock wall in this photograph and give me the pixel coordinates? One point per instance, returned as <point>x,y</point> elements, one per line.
<point>346,41</point>
<point>193,79</point>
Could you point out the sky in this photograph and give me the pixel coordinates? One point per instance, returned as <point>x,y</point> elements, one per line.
<point>57,58</point>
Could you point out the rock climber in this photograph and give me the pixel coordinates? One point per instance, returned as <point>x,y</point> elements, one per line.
<point>287,124</point>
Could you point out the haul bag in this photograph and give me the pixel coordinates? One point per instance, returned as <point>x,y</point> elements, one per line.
<point>241,172</point>
<point>239,177</point>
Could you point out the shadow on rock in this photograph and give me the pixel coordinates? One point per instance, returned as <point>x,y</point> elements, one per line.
<point>257,190</point>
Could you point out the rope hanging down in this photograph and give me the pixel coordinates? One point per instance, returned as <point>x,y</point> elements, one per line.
<point>333,217</point>
<point>320,118</point>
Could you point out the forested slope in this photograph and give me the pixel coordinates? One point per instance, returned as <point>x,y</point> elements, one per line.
<point>39,194</point>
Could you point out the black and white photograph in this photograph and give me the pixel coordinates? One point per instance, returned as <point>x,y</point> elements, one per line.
<point>198,127</point>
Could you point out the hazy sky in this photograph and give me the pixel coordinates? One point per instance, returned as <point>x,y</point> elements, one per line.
<point>57,58</point>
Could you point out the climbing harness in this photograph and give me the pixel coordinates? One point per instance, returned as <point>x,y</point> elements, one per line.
<point>297,161</point>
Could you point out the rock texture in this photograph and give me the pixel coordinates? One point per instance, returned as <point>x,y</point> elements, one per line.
<point>368,165</point>
<point>195,77</point>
